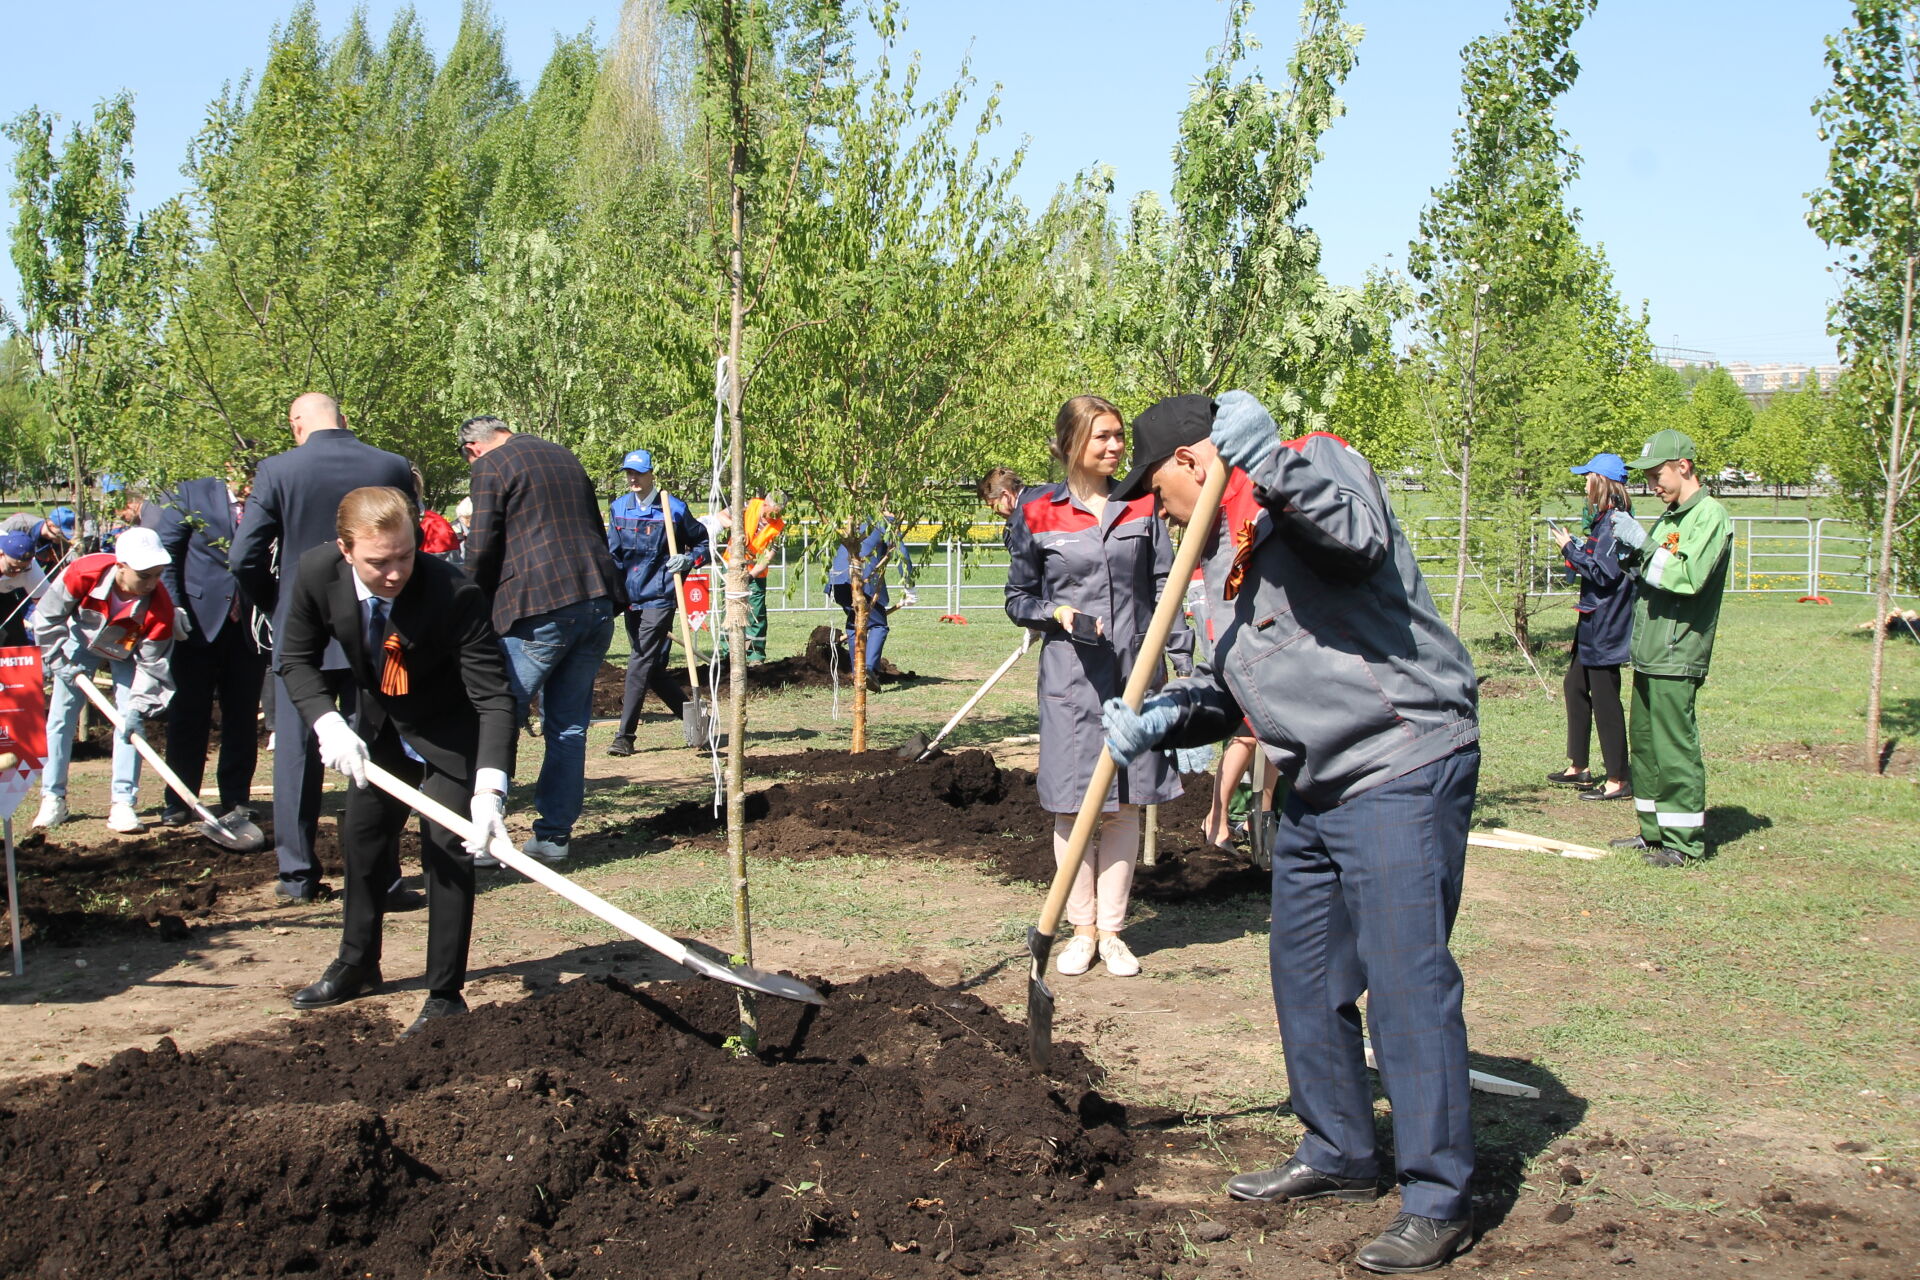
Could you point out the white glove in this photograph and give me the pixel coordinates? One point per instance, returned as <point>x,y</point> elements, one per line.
<point>488,810</point>
<point>341,748</point>
<point>909,598</point>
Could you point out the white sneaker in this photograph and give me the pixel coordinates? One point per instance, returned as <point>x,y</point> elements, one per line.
<point>545,850</point>
<point>123,819</point>
<point>1120,960</point>
<point>53,812</point>
<point>1077,957</point>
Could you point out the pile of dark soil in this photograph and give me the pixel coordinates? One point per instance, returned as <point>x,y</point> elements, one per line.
<point>71,892</point>
<point>596,1131</point>
<point>815,667</point>
<point>955,807</point>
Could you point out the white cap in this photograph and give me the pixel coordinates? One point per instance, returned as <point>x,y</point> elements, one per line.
<point>140,550</point>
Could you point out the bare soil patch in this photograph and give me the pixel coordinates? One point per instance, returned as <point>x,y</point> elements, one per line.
<point>959,807</point>
<point>815,667</point>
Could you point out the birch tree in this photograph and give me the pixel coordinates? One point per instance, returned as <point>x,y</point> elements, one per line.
<point>1869,214</point>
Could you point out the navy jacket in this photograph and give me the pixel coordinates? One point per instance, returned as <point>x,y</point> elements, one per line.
<point>294,505</point>
<point>878,543</point>
<point>637,537</point>
<point>1601,639</point>
<point>195,524</point>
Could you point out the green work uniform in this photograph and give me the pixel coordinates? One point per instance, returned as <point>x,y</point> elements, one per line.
<point>1683,575</point>
<point>756,624</point>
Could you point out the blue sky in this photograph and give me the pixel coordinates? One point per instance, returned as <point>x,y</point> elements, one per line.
<point>1692,118</point>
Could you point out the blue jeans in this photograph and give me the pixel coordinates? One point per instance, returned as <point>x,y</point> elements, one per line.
<point>555,656</point>
<point>63,718</point>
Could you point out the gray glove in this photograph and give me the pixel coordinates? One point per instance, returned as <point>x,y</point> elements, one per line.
<point>1131,734</point>
<point>1193,759</point>
<point>677,565</point>
<point>1243,431</point>
<point>1627,531</point>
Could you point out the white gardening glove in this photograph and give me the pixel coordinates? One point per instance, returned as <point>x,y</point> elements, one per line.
<point>908,598</point>
<point>488,809</point>
<point>341,748</point>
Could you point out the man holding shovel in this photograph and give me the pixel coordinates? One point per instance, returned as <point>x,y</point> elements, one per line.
<point>435,709</point>
<point>637,537</point>
<point>1329,644</point>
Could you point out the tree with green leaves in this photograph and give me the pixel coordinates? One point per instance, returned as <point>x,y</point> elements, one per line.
<point>906,293</point>
<point>88,281</point>
<point>1869,213</point>
<point>1223,289</point>
<point>1718,416</point>
<point>1531,358</point>
<point>1788,439</point>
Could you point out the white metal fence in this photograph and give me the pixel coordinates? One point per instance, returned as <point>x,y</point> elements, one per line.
<point>966,574</point>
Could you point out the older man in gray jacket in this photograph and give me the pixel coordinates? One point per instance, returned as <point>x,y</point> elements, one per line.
<point>1331,648</point>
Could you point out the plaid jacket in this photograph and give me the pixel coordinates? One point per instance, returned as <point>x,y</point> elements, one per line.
<point>537,543</point>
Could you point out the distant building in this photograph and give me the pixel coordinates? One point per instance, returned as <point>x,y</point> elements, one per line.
<point>1765,379</point>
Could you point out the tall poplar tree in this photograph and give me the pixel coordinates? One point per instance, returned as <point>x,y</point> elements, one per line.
<point>1869,213</point>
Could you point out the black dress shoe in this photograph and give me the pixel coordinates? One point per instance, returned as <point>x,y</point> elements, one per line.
<point>175,817</point>
<point>1601,793</point>
<point>1414,1243</point>
<point>435,1007</point>
<point>1295,1181</point>
<point>341,981</point>
<point>401,898</point>
<point>1569,778</point>
<point>621,746</point>
<point>303,890</point>
<point>1630,842</point>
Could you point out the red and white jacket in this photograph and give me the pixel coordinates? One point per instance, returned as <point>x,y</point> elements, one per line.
<point>80,615</point>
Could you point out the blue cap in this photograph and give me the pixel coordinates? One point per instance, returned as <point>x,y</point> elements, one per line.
<point>1609,465</point>
<point>638,460</point>
<point>110,484</point>
<point>17,545</point>
<point>64,520</point>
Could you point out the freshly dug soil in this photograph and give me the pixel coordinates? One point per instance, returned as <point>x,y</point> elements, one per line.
<point>957,807</point>
<point>596,1131</point>
<point>812,668</point>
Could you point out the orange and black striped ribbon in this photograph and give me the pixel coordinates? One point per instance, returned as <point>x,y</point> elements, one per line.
<point>393,677</point>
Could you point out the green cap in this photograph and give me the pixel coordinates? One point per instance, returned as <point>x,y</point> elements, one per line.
<point>1664,446</point>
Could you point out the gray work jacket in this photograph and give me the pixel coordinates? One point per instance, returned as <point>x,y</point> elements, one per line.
<point>1112,568</point>
<point>1332,648</point>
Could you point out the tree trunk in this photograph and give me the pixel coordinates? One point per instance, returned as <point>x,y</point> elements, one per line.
<point>1895,469</point>
<point>736,576</point>
<point>1522,618</point>
<point>857,649</point>
<point>1460,552</point>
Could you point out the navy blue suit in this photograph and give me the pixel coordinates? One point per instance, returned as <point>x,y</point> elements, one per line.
<point>296,498</point>
<point>215,656</point>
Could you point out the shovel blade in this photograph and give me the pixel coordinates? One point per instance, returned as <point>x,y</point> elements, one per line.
<point>1039,1001</point>
<point>695,722</point>
<point>745,975</point>
<point>913,748</point>
<point>237,834</point>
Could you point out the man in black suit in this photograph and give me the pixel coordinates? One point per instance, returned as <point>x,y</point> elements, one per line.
<point>214,652</point>
<point>435,709</point>
<point>539,547</point>
<point>295,498</point>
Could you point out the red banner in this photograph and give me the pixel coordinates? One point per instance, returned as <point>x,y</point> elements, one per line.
<point>23,706</point>
<point>697,598</point>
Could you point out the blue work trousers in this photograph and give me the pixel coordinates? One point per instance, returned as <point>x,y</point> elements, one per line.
<point>1364,897</point>
<point>555,656</point>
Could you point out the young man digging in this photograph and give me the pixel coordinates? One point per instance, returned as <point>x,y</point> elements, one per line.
<point>1328,643</point>
<point>435,710</point>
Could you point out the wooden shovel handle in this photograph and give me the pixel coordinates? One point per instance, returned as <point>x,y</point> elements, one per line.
<point>680,597</point>
<point>1145,663</point>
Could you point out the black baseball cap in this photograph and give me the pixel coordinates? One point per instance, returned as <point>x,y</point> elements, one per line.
<point>1165,426</point>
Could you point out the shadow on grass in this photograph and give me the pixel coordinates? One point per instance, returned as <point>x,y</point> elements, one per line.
<point>1729,823</point>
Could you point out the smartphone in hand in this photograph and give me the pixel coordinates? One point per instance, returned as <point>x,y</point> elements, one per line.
<point>1085,627</point>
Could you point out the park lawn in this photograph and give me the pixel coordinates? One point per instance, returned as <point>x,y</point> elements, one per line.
<point>1775,987</point>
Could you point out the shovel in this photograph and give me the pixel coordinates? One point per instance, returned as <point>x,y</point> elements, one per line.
<point>1145,664</point>
<point>743,975</point>
<point>918,748</point>
<point>239,835</point>
<point>694,720</point>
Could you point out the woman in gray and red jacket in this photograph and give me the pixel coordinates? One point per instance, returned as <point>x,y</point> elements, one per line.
<point>1085,572</point>
<point>107,610</point>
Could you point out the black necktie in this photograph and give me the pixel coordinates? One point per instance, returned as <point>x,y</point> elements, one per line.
<point>376,629</point>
